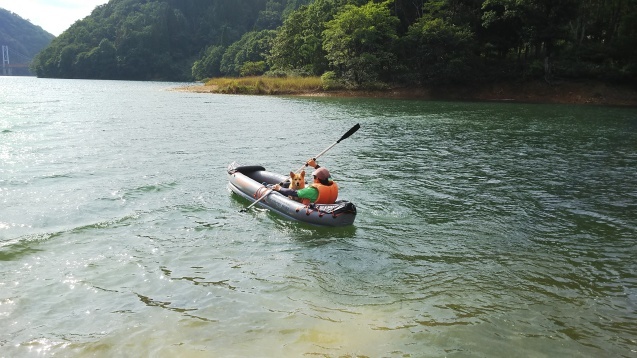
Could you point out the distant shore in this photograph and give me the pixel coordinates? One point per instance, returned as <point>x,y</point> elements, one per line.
<point>572,92</point>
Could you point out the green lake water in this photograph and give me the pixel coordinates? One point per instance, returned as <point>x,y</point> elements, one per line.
<point>483,229</point>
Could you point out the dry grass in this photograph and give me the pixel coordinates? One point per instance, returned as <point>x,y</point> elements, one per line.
<point>583,92</point>
<point>266,85</point>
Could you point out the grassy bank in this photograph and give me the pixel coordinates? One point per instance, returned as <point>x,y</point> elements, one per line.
<point>572,92</point>
<point>266,85</point>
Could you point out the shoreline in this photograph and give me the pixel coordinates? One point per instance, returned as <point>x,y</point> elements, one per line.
<point>580,93</point>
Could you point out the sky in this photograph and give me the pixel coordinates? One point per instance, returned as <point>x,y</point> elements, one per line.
<point>53,16</point>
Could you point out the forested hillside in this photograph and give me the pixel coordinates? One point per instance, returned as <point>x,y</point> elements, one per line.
<point>153,39</point>
<point>361,43</point>
<point>23,38</point>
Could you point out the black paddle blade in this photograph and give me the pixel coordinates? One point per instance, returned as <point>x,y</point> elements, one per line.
<point>349,132</point>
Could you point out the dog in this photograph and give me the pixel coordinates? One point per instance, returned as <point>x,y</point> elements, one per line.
<point>297,181</point>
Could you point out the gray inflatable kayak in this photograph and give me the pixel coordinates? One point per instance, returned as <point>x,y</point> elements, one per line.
<point>248,182</point>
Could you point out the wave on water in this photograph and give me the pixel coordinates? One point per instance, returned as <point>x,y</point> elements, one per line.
<point>150,188</point>
<point>58,176</point>
<point>15,249</point>
<point>170,307</point>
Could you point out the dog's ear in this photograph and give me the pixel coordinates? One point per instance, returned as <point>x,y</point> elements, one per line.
<point>302,173</point>
<point>291,174</point>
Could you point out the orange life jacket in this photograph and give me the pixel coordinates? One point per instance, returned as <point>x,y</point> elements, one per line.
<point>327,194</point>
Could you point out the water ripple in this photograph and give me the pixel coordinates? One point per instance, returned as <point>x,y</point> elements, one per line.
<point>482,229</point>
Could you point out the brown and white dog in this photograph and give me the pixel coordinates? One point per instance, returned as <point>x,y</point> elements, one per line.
<point>297,181</point>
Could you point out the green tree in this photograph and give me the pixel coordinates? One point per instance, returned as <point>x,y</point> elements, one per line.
<point>603,40</point>
<point>539,26</point>
<point>250,68</point>
<point>252,47</point>
<point>440,52</point>
<point>209,65</point>
<point>100,62</point>
<point>66,60</point>
<point>298,46</point>
<point>270,18</point>
<point>358,43</point>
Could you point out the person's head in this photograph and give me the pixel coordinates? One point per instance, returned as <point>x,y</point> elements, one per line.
<point>322,175</point>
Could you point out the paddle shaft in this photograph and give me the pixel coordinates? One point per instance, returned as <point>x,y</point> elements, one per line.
<point>255,203</point>
<point>345,136</point>
<point>315,158</point>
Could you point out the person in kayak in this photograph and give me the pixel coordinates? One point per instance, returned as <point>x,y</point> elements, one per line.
<point>322,191</point>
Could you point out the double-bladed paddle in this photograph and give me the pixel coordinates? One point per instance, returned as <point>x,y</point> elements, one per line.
<point>345,136</point>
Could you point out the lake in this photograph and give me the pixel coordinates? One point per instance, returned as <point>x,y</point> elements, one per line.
<point>483,229</point>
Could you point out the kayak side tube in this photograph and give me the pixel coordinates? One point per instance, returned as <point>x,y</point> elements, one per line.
<point>248,182</point>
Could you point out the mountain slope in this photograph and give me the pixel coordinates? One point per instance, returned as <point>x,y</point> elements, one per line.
<point>147,39</point>
<point>23,38</point>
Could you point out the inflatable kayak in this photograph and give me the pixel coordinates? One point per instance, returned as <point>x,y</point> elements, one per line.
<point>251,182</point>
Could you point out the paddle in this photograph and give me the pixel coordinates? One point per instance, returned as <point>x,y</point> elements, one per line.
<point>345,136</point>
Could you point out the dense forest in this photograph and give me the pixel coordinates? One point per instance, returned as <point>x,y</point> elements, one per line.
<point>23,38</point>
<point>362,43</point>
